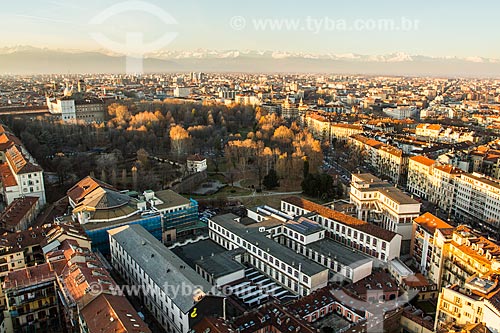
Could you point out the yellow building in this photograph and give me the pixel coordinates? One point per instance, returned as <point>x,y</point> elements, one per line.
<point>31,300</point>
<point>477,302</point>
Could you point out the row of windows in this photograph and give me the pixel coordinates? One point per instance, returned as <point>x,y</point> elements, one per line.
<point>134,270</point>
<point>338,227</point>
<point>258,252</point>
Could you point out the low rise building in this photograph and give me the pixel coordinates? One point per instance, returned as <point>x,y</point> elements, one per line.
<point>307,237</point>
<point>196,163</point>
<point>99,207</point>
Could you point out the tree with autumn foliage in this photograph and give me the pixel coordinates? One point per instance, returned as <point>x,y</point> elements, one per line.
<point>179,140</point>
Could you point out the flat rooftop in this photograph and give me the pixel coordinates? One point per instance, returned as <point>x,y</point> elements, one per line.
<point>193,252</point>
<point>340,253</point>
<point>170,199</point>
<point>221,264</point>
<point>398,196</point>
<point>373,183</point>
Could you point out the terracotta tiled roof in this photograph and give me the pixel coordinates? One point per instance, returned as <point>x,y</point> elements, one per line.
<point>16,211</point>
<point>29,276</point>
<point>423,160</point>
<point>85,186</point>
<point>7,176</point>
<point>449,169</point>
<point>196,158</point>
<point>352,126</point>
<point>19,163</point>
<point>110,314</point>
<point>342,218</point>
<point>430,223</point>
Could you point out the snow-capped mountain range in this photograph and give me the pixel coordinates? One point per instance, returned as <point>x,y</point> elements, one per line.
<point>227,54</point>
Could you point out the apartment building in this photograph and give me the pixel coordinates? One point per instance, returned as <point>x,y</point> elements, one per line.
<point>384,205</point>
<point>460,253</point>
<point>19,250</point>
<point>143,260</point>
<point>20,174</point>
<point>356,234</point>
<point>20,214</point>
<point>109,314</point>
<point>428,130</point>
<point>90,298</point>
<point>424,229</point>
<point>432,181</point>
<point>318,125</point>
<point>289,268</point>
<point>438,133</point>
<point>441,242</point>
<point>289,110</point>
<point>341,132</point>
<point>443,187</point>
<point>478,301</point>
<point>419,174</point>
<point>31,302</point>
<point>477,201</point>
<point>388,161</point>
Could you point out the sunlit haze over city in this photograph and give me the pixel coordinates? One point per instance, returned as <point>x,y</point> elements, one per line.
<point>249,167</point>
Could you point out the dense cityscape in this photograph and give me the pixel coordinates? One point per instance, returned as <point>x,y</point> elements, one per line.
<point>150,188</point>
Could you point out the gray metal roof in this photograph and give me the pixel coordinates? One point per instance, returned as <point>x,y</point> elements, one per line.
<point>253,236</point>
<point>339,253</point>
<point>166,269</point>
<point>221,264</point>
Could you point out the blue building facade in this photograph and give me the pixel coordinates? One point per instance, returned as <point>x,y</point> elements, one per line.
<point>185,218</point>
<point>100,237</point>
<point>181,217</point>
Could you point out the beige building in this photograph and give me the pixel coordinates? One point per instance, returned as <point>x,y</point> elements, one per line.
<point>430,180</point>
<point>382,204</point>
<point>476,202</point>
<point>318,125</point>
<point>342,132</point>
<point>424,229</point>
<point>389,161</point>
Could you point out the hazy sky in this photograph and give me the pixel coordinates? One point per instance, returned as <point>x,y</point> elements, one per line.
<point>445,28</point>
